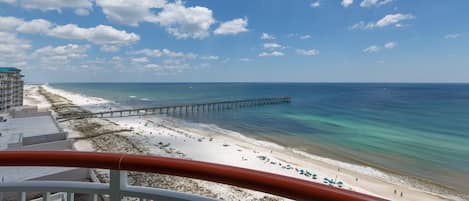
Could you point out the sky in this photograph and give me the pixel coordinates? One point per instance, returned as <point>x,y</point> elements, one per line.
<point>236,41</point>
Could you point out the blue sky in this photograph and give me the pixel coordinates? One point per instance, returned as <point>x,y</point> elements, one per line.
<point>245,40</point>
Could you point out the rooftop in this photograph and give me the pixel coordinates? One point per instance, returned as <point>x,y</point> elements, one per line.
<point>30,126</point>
<point>15,129</point>
<point>25,128</point>
<point>9,70</point>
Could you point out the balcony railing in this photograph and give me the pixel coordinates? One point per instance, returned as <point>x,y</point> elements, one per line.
<point>119,164</point>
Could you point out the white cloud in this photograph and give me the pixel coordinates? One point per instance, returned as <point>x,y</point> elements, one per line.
<point>371,49</point>
<point>140,60</point>
<point>82,12</point>
<point>109,48</point>
<point>35,26</point>
<point>311,52</point>
<point>69,31</point>
<point>129,12</point>
<point>57,5</point>
<point>391,19</point>
<point>10,23</point>
<point>266,36</point>
<point>362,25</point>
<point>232,27</point>
<point>315,4</point>
<point>271,54</point>
<point>375,48</point>
<point>174,65</point>
<point>71,50</point>
<point>370,3</point>
<point>149,52</point>
<point>245,59</point>
<point>12,49</point>
<point>7,39</point>
<point>210,57</point>
<point>184,22</point>
<point>165,52</point>
<point>106,36</point>
<point>304,37</point>
<point>170,53</point>
<point>452,36</point>
<point>17,24</point>
<point>61,54</point>
<point>299,36</point>
<point>272,46</point>
<point>101,34</point>
<point>170,67</point>
<point>18,64</point>
<point>390,45</point>
<point>154,66</point>
<point>177,19</point>
<point>346,3</point>
<point>80,6</point>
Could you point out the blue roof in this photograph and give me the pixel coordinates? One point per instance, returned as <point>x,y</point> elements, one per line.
<point>9,69</point>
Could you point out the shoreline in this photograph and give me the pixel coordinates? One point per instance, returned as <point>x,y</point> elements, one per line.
<point>362,167</point>
<point>357,180</point>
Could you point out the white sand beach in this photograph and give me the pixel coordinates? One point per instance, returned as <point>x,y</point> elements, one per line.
<point>165,136</point>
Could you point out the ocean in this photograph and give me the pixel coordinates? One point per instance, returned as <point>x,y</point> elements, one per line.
<point>416,130</point>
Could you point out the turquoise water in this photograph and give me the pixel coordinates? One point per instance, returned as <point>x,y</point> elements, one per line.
<point>420,130</point>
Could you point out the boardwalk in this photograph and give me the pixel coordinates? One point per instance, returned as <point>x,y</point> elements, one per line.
<point>181,109</point>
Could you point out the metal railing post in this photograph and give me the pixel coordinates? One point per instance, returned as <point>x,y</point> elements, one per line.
<point>70,196</point>
<point>21,196</point>
<point>117,183</point>
<point>45,196</point>
<point>94,197</point>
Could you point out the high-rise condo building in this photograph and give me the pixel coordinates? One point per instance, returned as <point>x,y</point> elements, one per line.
<point>11,88</point>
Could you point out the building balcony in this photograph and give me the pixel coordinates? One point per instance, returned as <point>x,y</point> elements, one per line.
<point>118,188</point>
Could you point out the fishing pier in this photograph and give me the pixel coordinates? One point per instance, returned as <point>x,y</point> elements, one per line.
<point>181,109</point>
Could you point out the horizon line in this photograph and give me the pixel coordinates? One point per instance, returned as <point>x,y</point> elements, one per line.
<point>246,82</point>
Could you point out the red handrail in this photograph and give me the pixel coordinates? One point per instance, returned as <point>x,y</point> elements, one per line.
<point>288,187</point>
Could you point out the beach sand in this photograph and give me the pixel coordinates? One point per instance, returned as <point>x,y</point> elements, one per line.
<point>165,136</point>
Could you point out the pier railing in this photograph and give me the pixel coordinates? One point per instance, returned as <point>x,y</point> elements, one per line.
<point>118,188</point>
<point>181,108</point>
